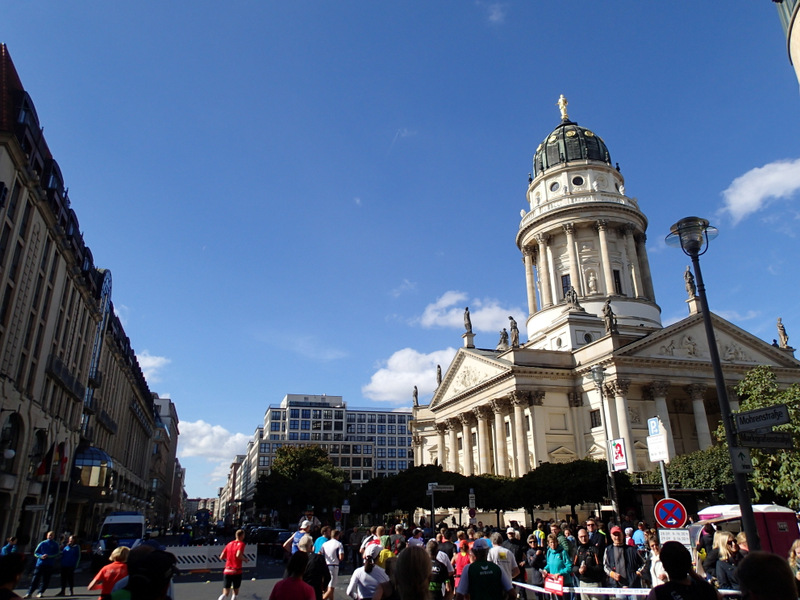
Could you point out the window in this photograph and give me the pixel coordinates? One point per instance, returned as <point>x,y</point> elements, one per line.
<point>380,452</point>
<point>381,419</point>
<point>316,414</point>
<point>305,425</point>
<point>381,441</point>
<point>565,285</point>
<point>293,435</point>
<point>316,425</point>
<point>345,448</point>
<point>392,429</point>
<point>274,426</point>
<point>335,461</point>
<point>305,436</point>
<point>380,464</point>
<point>294,413</point>
<point>392,464</point>
<point>294,424</point>
<point>306,413</point>
<point>351,428</point>
<point>337,425</point>
<point>401,429</point>
<point>356,462</point>
<point>617,282</point>
<point>263,461</point>
<point>327,437</point>
<point>401,418</point>
<point>362,418</point>
<point>263,447</point>
<point>361,428</point>
<point>402,465</point>
<point>366,475</point>
<point>316,437</point>
<point>345,461</point>
<point>338,414</point>
<point>277,415</point>
<point>327,414</point>
<point>367,449</point>
<point>393,441</point>
<point>356,448</point>
<point>371,428</point>
<point>351,418</point>
<point>368,462</point>
<point>594,417</point>
<point>381,428</point>
<point>392,453</point>
<point>392,418</point>
<point>401,453</point>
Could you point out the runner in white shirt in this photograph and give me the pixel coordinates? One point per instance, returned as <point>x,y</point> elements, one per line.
<point>333,551</point>
<point>502,557</point>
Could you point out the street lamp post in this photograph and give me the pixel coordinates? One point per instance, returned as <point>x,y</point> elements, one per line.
<point>598,375</point>
<point>693,235</point>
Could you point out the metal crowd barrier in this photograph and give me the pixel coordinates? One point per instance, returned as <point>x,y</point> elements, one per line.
<point>204,559</point>
<point>608,591</point>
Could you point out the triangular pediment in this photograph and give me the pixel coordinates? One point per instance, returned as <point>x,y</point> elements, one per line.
<point>686,340</point>
<point>470,370</point>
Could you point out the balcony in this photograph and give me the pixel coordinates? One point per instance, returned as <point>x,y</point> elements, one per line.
<point>64,378</point>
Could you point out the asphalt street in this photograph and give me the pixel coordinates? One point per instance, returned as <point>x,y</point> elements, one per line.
<point>256,585</point>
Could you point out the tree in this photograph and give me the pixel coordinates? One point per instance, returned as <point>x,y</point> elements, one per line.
<point>708,469</point>
<point>775,473</point>
<point>300,477</point>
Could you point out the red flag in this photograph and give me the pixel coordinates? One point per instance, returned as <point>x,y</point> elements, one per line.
<point>62,471</point>
<point>44,466</point>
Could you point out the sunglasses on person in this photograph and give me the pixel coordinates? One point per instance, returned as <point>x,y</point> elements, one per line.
<point>733,543</point>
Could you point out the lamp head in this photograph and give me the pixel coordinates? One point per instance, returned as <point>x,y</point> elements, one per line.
<point>598,374</point>
<point>692,234</point>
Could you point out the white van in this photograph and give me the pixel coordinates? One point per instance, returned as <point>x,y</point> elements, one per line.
<point>121,528</point>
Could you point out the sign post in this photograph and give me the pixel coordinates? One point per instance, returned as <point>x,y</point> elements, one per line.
<point>619,455</point>
<point>658,449</point>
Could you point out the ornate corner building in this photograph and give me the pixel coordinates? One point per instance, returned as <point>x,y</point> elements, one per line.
<point>591,302</point>
<point>80,432</point>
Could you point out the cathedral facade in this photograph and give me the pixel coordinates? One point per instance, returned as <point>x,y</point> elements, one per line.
<point>591,303</point>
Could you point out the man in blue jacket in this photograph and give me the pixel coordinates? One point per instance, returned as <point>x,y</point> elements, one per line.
<point>46,553</point>
<point>70,557</point>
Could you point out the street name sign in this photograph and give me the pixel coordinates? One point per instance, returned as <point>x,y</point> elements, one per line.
<point>776,440</point>
<point>762,418</point>
<point>441,488</point>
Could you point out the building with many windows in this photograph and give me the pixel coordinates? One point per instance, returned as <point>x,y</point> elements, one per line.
<point>78,424</point>
<point>363,442</point>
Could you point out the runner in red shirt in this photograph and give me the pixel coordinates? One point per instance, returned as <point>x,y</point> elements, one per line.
<point>233,555</point>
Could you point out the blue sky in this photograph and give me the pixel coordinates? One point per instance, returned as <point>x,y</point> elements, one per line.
<point>301,197</point>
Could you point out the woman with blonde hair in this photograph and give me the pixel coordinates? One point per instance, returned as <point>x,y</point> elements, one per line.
<point>110,574</point>
<point>412,573</point>
<point>729,558</point>
<point>710,561</point>
<point>794,560</point>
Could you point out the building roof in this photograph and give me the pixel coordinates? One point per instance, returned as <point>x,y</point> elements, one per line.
<point>568,142</point>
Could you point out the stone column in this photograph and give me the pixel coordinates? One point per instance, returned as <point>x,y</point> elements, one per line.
<point>483,414</point>
<point>545,283</point>
<point>530,281</point>
<point>574,274</point>
<point>521,400</point>
<point>575,405</point>
<point>608,272</point>
<point>620,390</point>
<point>636,275</point>
<point>658,391</point>
<point>644,264</point>
<point>733,398</point>
<point>466,441</point>
<point>696,392</point>
<point>610,412</point>
<point>417,440</point>
<point>499,406</point>
<point>441,430</point>
<point>538,429</point>
<point>452,427</point>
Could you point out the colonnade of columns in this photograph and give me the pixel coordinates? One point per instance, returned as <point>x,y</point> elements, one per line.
<point>483,432</point>
<point>541,274</point>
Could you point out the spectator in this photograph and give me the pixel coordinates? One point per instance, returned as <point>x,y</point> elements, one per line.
<point>70,558</point>
<point>683,581</point>
<point>292,587</point>
<point>46,553</point>
<point>765,576</point>
<point>11,566</point>
<point>729,559</point>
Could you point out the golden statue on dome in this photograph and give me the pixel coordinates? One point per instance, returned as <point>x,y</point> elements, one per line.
<point>562,105</point>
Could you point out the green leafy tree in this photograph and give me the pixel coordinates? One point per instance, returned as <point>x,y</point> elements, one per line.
<point>300,477</point>
<point>775,473</point>
<point>708,469</point>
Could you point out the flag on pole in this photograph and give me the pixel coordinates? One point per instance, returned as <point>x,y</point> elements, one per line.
<point>44,466</point>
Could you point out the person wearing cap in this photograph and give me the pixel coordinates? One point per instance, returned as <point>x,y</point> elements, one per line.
<point>290,545</point>
<point>622,564</point>
<point>366,579</point>
<point>483,580</point>
<point>518,549</point>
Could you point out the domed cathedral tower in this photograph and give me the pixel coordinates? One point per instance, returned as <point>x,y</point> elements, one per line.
<point>583,233</point>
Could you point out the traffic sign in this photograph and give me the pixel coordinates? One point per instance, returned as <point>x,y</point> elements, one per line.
<point>740,461</point>
<point>472,500</point>
<point>676,535</point>
<point>670,513</point>
<point>657,447</point>
<point>654,426</point>
<point>345,509</point>
<point>773,439</point>
<point>440,488</point>
<point>337,514</point>
<point>472,512</point>
<point>762,418</point>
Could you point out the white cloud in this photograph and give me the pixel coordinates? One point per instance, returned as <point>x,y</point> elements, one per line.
<point>151,365</point>
<point>752,191</point>
<point>735,315</point>
<point>405,286</point>
<point>122,313</point>
<point>486,314</point>
<point>212,442</point>
<point>395,380</point>
<point>357,200</point>
<point>497,12</point>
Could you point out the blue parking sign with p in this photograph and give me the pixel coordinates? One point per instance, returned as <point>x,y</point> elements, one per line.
<point>653,426</point>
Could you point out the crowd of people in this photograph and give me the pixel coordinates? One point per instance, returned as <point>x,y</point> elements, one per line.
<point>396,563</point>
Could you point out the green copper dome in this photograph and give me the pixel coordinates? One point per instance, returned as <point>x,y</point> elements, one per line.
<point>568,142</point>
